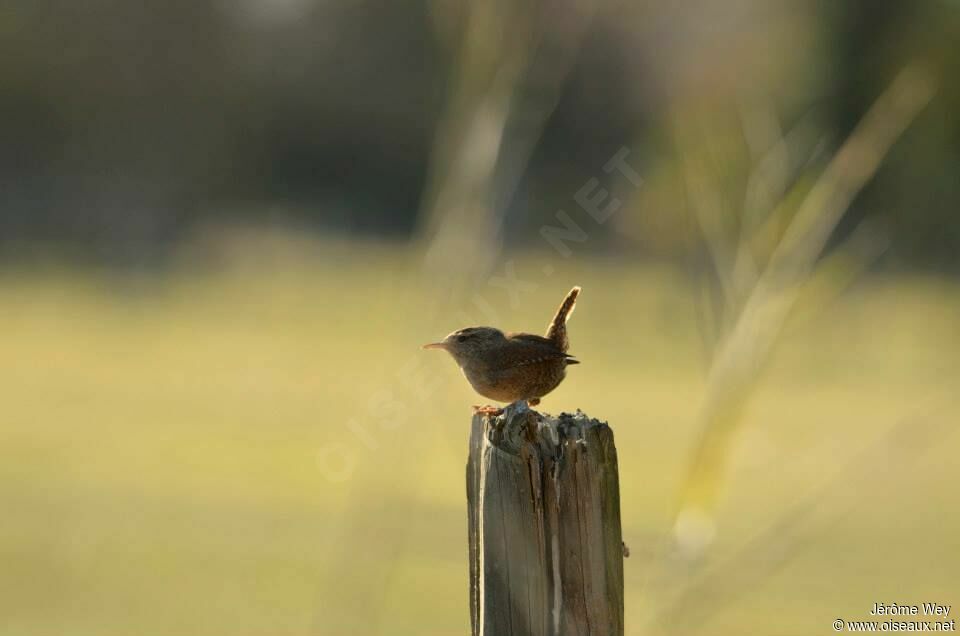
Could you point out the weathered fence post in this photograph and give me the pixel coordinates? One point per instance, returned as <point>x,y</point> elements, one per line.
<point>546,550</point>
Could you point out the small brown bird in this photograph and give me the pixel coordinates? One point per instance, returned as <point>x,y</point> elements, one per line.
<point>513,366</point>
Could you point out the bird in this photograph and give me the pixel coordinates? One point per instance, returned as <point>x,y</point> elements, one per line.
<point>513,367</point>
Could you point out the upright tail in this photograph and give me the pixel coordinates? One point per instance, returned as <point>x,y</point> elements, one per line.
<point>557,331</point>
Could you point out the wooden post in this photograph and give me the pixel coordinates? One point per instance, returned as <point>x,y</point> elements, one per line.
<point>546,550</point>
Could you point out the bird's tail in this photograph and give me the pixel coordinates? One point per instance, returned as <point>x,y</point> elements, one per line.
<point>557,331</point>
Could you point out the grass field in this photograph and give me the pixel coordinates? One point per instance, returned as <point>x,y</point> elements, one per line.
<point>168,443</point>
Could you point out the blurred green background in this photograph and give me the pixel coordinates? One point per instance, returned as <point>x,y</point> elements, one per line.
<point>227,227</point>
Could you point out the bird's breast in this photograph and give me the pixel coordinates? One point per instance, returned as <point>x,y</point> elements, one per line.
<point>509,384</point>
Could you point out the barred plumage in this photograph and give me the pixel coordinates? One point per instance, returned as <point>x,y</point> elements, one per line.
<point>514,366</point>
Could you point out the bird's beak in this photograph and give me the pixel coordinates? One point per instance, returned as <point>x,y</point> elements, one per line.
<point>435,345</point>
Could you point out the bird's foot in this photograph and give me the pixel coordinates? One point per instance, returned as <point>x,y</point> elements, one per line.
<point>486,409</point>
<point>533,401</point>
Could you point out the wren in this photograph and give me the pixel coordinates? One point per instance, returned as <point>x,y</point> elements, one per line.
<point>512,367</point>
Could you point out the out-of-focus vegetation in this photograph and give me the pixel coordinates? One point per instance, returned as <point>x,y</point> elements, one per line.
<point>225,228</point>
<point>127,124</point>
<point>163,444</point>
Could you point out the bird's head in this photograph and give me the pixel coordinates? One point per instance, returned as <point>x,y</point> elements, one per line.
<point>468,343</point>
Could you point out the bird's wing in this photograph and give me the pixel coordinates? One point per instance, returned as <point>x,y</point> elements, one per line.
<point>532,339</point>
<point>527,348</point>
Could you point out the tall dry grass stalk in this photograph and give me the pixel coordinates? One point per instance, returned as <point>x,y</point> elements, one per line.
<point>754,300</point>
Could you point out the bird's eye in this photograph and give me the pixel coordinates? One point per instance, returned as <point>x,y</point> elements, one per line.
<point>461,338</point>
